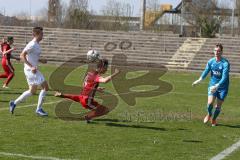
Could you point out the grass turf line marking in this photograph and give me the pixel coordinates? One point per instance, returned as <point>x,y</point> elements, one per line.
<point>31,157</point>
<point>30,105</point>
<point>179,93</point>
<point>227,151</point>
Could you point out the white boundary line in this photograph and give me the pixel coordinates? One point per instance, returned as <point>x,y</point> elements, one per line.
<point>30,105</point>
<point>220,156</point>
<point>226,152</point>
<point>31,157</point>
<point>131,92</point>
<point>171,92</point>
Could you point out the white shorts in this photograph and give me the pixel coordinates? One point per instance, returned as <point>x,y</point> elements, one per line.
<point>34,79</point>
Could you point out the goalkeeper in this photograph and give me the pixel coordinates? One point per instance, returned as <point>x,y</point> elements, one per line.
<point>218,85</point>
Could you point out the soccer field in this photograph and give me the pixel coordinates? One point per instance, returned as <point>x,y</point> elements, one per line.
<point>167,126</point>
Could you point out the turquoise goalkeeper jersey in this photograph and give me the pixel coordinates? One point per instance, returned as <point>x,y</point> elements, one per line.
<point>219,73</point>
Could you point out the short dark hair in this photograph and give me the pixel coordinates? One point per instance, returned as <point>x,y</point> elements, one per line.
<point>219,45</point>
<point>9,38</point>
<point>102,63</point>
<point>37,30</point>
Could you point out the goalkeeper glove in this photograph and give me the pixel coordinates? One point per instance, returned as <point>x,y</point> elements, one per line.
<point>196,82</point>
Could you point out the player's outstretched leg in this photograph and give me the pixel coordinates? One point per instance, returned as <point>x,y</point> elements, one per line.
<point>58,94</point>
<point>12,104</point>
<point>100,110</point>
<point>96,112</point>
<point>73,97</point>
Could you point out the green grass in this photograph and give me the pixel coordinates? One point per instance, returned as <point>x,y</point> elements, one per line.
<point>168,126</point>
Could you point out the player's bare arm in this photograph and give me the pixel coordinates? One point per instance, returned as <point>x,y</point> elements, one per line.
<point>8,51</point>
<point>108,78</point>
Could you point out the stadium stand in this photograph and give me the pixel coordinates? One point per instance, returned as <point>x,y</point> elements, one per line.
<point>145,48</point>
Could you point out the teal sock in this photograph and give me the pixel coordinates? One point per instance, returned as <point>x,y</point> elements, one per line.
<point>209,109</point>
<point>216,112</point>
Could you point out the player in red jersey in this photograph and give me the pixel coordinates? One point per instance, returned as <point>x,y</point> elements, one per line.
<point>6,63</point>
<point>90,86</point>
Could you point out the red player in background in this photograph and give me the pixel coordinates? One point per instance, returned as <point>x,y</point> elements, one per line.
<point>6,63</point>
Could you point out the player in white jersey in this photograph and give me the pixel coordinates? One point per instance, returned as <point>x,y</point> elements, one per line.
<point>31,56</point>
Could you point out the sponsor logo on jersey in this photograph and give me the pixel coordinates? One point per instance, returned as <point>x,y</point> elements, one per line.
<point>216,73</point>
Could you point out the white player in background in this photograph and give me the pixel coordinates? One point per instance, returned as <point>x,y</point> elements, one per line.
<point>31,56</point>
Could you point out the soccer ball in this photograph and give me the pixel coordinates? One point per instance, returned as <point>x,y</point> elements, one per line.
<point>92,55</point>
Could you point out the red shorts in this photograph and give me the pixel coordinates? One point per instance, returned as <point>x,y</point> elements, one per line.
<point>5,66</point>
<point>88,103</point>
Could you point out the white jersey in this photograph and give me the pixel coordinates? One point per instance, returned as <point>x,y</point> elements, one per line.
<point>33,50</point>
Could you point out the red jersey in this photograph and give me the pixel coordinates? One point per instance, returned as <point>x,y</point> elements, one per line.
<point>86,98</point>
<point>90,84</point>
<point>5,47</point>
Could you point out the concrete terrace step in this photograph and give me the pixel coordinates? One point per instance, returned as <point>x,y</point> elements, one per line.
<point>148,49</point>
<point>89,32</point>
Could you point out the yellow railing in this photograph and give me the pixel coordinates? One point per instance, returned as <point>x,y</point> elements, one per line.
<point>152,16</point>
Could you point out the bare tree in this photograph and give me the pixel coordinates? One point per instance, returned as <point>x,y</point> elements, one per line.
<point>56,12</point>
<point>53,15</point>
<point>77,15</point>
<point>153,5</point>
<point>23,15</point>
<point>238,13</point>
<point>42,18</point>
<point>205,15</point>
<point>153,13</point>
<point>22,19</point>
<point>118,15</point>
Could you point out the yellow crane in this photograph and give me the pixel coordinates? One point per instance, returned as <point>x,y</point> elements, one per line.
<point>152,16</point>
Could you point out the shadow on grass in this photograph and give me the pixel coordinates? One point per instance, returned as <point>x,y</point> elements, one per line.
<point>76,117</point>
<point>120,120</point>
<point>110,120</point>
<point>19,93</point>
<point>229,126</point>
<point>16,115</point>
<point>11,93</point>
<point>4,101</point>
<point>192,141</point>
<point>135,126</point>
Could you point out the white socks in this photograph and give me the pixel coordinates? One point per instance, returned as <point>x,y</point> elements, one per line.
<point>22,97</point>
<point>27,94</point>
<point>41,96</point>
